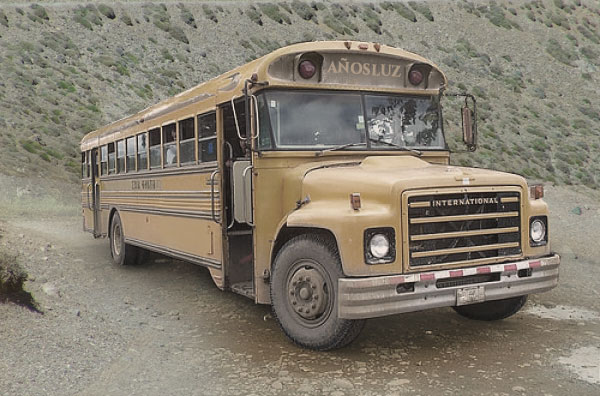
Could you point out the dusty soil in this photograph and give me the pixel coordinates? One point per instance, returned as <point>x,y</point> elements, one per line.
<point>164,329</point>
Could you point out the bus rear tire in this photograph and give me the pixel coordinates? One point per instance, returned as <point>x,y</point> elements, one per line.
<point>492,310</point>
<point>304,284</point>
<point>121,252</point>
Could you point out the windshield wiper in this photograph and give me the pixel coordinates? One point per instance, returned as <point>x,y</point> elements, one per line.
<point>340,147</point>
<point>416,152</point>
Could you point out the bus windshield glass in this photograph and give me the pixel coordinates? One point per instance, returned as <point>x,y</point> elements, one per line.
<point>308,120</point>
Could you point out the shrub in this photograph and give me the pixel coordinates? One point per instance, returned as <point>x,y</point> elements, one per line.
<point>401,9</point>
<point>60,43</point>
<point>30,146</point>
<point>339,13</point>
<point>422,8</point>
<point>304,11</point>
<point>3,19</point>
<point>372,20</point>
<point>560,20</point>
<point>178,34</point>
<point>67,86</point>
<point>126,19</point>
<point>591,113</point>
<point>539,93</point>
<point>336,25</point>
<point>167,55</point>
<point>107,11</point>
<point>589,53</point>
<point>318,6</point>
<point>87,16</point>
<point>561,54</point>
<point>187,17</point>
<point>271,10</point>
<point>588,34</point>
<point>254,15</point>
<point>480,92</point>
<point>39,13</point>
<point>208,12</point>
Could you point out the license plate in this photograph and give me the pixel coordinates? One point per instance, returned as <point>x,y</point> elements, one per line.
<point>470,295</point>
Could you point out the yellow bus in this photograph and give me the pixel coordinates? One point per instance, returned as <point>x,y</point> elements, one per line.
<point>317,179</point>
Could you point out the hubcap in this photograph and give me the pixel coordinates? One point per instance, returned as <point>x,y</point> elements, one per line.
<point>117,240</point>
<point>306,293</point>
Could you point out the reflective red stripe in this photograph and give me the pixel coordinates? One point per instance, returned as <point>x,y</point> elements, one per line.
<point>484,270</point>
<point>427,277</point>
<point>456,273</point>
<point>535,264</point>
<point>510,267</point>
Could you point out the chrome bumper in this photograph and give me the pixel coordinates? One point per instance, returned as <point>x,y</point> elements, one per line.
<point>386,295</point>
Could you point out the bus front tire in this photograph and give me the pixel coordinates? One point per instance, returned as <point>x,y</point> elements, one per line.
<point>304,284</point>
<point>492,310</point>
<point>121,252</point>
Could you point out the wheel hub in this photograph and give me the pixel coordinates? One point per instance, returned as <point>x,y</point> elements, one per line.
<point>117,240</point>
<point>307,293</point>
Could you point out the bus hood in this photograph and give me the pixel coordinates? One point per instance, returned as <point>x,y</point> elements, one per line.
<point>380,178</point>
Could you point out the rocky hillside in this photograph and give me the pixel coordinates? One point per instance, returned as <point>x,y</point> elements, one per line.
<point>69,67</point>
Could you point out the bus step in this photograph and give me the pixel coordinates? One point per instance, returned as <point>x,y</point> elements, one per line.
<point>243,288</point>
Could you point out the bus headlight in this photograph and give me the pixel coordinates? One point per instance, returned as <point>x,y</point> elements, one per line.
<point>538,235</point>
<point>379,245</point>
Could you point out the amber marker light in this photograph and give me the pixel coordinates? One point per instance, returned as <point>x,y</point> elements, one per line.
<point>307,69</point>
<point>536,191</point>
<point>355,201</point>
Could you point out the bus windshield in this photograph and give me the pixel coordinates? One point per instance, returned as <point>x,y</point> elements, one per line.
<point>308,120</point>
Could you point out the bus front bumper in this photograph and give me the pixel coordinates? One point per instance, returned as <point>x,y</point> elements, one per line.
<point>387,295</point>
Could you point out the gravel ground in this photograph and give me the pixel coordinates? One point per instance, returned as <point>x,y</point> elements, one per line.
<point>164,329</point>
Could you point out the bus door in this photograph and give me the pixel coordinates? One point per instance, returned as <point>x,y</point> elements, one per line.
<point>237,199</point>
<point>95,193</point>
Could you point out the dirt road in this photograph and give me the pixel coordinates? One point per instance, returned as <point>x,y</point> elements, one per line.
<point>163,329</point>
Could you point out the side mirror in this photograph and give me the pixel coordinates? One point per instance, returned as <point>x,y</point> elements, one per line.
<point>468,126</point>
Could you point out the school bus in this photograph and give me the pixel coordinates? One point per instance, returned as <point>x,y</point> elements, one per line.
<point>317,179</point>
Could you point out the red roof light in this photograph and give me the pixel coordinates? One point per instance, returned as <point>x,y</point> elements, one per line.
<point>307,69</point>
<point>415,77</point>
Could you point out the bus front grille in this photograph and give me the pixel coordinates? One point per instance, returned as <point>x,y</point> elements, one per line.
<point>462,227</point>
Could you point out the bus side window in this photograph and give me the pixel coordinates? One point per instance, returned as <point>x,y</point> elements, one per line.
<point>104,160</point>
<point>154,148</point>
<point>186,141</point>
<point>88,161</point>
<point>131,154</point>
<point>169,147</point>
<point>121,156</point>
<point>142,151</point>
<point>207,137</point>
<point>111,158</point>
<point>84,170</point>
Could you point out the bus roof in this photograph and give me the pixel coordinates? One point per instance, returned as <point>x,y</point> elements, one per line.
<point>347,65</point>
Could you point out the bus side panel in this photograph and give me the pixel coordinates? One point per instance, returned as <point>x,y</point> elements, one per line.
<point>171,212</point>
<point>192,236</point>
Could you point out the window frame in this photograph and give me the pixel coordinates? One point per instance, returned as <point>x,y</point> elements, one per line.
<point>138,151</point>
<point>204,139</point>
<point>127,155</point>
<point>150,146</point>
<point>166,145</point>
<point>194,159</point>
<point>121,155</point>
<point>112,170</point>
